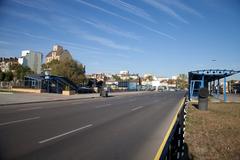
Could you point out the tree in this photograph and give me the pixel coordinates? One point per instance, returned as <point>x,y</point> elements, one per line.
<point>116,78</point>
<point>171,81</point>
<point>182,81</point>
<point>2,76</point>
<point>8,76</point>
<point>22,71</point>
<point>149,78</point>
<point>69,68</point>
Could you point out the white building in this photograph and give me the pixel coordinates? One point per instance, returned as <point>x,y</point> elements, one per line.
<point>31,59</point>
<point>124,72</point>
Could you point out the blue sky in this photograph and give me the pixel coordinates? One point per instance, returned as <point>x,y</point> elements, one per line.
<point>161,37</point>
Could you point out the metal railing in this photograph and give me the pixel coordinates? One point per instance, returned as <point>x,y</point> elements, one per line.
<point>172,146</point>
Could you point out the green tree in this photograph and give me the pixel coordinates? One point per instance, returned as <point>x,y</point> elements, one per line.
<point>116,78</point>
<point>69,68</point>
<point>21,71</point>
<point>8,76</point>
<point>182,81</point>
<point>2,76</point>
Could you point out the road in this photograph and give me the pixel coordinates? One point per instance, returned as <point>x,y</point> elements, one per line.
<point>129,127</point>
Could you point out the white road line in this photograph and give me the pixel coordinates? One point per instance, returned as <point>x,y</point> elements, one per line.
<point>29,109</point>
<point>102,106</point>
<point>134,109</point>
<point>17,121</point>
<point>64,134</point>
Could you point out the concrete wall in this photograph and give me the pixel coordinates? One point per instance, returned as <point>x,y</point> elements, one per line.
<point>28,90</point>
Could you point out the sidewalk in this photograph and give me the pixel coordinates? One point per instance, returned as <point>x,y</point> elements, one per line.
<point>7,98</point>
<point>230,98</point>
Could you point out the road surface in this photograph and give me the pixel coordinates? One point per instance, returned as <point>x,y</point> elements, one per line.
<point>129,127</point>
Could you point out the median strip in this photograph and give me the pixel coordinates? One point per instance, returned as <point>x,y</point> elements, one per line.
<point>64,134</point>
<point>18,121</point>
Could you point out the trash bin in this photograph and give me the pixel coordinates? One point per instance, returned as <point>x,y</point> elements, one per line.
<point>203,99</point>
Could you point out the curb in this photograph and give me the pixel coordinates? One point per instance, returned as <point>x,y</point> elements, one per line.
<point>54,100</point>
<point>9,104</point>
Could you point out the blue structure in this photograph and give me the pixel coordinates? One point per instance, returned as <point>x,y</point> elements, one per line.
<point>50,83</point>
<point>205,78</point>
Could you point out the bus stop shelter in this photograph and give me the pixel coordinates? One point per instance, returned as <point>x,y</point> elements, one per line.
<point>205,78</point>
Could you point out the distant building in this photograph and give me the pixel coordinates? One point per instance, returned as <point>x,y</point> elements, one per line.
<point>31,59</point>
<point>98,76</point>
<point>58,53</point>
<point>125,75</point>
<point>6,62</point>
<point>124,72</point>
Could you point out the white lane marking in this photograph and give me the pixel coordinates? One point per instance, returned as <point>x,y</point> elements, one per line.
<point>102,106</point>
<point>17,121</point>
<point>64,134</point>
<point>29,109</point>
<point>134,109</point>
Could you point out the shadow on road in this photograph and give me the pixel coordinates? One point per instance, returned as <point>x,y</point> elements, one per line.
<point>187,155</point>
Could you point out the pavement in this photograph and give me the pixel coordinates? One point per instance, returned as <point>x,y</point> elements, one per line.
<point>9,98</point>
<point>235,98</point>
<point>129,127</point>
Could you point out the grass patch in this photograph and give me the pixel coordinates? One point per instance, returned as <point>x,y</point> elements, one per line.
<point>214,134</point>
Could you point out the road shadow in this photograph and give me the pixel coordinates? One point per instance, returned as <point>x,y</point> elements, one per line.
<point>195,106</point>
<point>187,154</point>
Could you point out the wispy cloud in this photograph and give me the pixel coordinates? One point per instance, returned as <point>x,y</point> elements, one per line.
<point>67,43</point>
<point>30,17</point>
<point>111,29</point>
<point>130,9</point>
<point>184,7</point>
<point>173,25</point>
<point>36,4</point>
<point>109,43</point>
<point>5,42</point>
<point>166,10</point>
<point>126,19</point>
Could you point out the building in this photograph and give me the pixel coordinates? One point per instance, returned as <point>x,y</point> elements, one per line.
<point>31,59</point>
<point>5,63</point>
<point>58,53</point>
<point>125,75</point>
<point>124,72</point>
<point>98,76</point>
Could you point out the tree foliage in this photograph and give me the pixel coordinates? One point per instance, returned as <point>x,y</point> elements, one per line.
<point>182,81</point>
<point>16,72</point>
<point>8,76</point>
<point>69,68</point>
<point>148,78</point>
<point>116,78</point>
<point>19,71</point>
<point>2,76</point>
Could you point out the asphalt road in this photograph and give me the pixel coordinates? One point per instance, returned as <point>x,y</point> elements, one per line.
<point>129,127</point>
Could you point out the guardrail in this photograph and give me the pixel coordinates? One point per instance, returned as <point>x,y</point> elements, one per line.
<point>172,146</point>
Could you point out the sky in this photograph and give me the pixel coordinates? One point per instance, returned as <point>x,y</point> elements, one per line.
<point>161,37</point>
